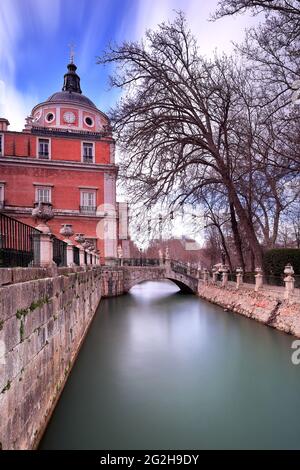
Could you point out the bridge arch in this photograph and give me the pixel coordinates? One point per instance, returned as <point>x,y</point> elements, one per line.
<point>134,276</point>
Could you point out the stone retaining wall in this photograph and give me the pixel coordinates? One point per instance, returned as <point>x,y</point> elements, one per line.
<point>265,306</point>
<point>42,325</point>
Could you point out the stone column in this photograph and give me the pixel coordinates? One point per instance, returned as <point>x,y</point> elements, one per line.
<point>289,281</point>
<point>81,256</point>
<point>224,276</point>
<point>188,271</point>
<point>239,277</point>
<point>214,275</point>
<point>88,257</point>
<point>70,253</point>
<point>199,271</point>
<point>167,260</point>
<point>46,250</point>
<point>258,279</point>
<point>161,258</point>
<point>205,276</point>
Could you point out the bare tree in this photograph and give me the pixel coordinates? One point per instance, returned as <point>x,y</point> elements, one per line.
<point>179,118</point>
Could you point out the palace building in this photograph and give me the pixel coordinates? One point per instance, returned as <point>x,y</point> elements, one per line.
<point>65,156</point>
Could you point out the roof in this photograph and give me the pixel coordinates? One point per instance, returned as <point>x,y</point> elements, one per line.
<point>71,97</point>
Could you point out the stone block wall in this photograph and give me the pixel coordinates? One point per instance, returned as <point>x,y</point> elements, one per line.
<point>264,306</point>
<point>112,281</point>
<point>42,324</point>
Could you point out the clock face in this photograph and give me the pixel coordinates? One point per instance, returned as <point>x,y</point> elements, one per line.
<point>69,117</point>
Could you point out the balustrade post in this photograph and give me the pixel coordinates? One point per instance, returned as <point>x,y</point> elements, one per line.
<point>239,277</point>
<point>70,253</point>
<point>167,260</point>
<point>188,270</point>
<point>289,281</point>
<point>81,256</point>
<point>224,276</point>
<point>88,258</point>
<point>205,276</point>
<point>161,257</point>
<point>214,275</point>
<point>258,279</point>
<point>46,250</point>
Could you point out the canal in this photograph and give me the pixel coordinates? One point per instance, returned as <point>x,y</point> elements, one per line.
<point>162,370</point>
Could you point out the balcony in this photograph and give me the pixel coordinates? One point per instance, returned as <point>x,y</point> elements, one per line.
<point>44,155</point>
<point>90,210</point>
<point>88,159</point>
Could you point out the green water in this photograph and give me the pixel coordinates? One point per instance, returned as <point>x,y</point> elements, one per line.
<point>161,370</point>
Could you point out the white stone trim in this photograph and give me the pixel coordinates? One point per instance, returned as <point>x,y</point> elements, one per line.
<point>67,164</point>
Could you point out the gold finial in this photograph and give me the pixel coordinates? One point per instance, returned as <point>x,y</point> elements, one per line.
<point>72,52</point>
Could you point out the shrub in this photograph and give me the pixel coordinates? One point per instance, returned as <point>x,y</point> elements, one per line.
<point>275,260</point>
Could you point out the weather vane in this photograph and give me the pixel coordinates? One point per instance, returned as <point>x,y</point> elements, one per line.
<point>72,52</point>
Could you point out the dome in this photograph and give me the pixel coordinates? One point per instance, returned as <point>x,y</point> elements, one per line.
<point>71,97</point>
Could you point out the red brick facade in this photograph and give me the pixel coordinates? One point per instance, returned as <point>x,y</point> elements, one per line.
<point>66,155</point>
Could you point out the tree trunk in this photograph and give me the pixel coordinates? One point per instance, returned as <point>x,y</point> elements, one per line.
<point>245,223</point>
<point>236,237</point>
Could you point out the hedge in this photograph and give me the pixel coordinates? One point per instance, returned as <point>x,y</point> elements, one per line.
<point>275,260</point>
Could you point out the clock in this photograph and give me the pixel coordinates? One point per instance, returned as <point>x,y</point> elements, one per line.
<point>69,117</point>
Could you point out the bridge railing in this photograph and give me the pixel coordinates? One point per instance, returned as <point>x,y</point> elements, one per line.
<point>140,262</point>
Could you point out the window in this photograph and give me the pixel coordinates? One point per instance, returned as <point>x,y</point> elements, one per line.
<point>50,117</point>
<point>89,121</point>
<point>1,144</point>
<point>88,152</point>
<point>43,194</point>
<point>43,149</point>
<point>87,201</point>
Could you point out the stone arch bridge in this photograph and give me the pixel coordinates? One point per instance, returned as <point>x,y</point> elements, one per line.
<point>182,275</point>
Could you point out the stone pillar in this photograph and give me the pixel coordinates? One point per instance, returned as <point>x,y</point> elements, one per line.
<point>81,256</point>
<point>199,271</point>
<point>88,257</point>
<point>70,253</point>
<point>167,260</point>
<point>214,275</point>
<point>161,258</point>
<point>224,276</point>
<point>205,276</point>
<point>45,256</point>
<point>239,277</point>
<point>258,279</point>
<point>289,281</point>
<point>188,268</point>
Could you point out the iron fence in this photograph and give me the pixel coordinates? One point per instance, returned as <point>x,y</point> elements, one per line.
<point>19,243</point>
<point>59,252</point>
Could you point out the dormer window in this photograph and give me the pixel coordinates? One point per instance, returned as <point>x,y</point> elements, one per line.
<point>88,152</point>
<point>44,149</point>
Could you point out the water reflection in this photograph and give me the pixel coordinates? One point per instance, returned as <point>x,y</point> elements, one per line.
<point>163,370</point>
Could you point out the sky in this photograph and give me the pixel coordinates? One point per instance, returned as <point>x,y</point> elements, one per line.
<point>35,36</point>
